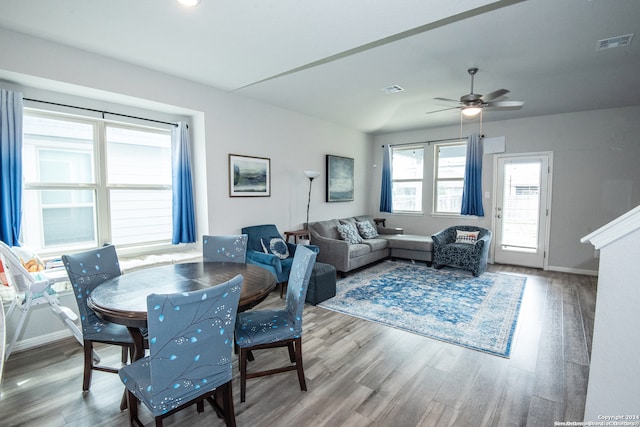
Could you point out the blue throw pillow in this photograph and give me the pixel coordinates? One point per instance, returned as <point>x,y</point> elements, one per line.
<point>276,246</point>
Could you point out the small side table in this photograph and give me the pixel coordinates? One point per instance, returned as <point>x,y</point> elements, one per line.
<point>380,220</point>
<point>296,234</point>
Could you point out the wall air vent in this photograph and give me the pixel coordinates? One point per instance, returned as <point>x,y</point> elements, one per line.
<point>392,89</point>
<point>612,42</point>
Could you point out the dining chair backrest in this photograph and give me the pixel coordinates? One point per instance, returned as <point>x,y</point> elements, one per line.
<point>86,270</point>
<point>231,248</point>
<point>303,261</point>
<point>191,342</point>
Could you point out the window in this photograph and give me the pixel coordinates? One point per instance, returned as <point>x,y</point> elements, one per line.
<point>449,177</point>
<point>407,170</point>
<point>91,181</point>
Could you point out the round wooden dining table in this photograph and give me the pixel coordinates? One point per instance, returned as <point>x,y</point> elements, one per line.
<point>123,299</point>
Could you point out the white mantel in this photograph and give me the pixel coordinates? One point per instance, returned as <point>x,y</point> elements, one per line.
<point>615,355</point>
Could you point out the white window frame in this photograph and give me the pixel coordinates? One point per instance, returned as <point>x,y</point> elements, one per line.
<point>437,179</point>
<point>394,180</point>
<point>100,187</point>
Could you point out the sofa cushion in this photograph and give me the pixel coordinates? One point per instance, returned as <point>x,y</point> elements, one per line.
<point>366,230</point>
<point>349,233</point>
<point>410,242</point>
<point>328,228</point>
<point>358,250</point>
<point>276,246</point>
<point>376,244</point>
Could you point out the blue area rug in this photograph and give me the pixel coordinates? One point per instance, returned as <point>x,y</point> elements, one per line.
<point>449,305</point>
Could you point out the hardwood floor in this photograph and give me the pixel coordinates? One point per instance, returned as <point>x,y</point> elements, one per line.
<point>358,374</point>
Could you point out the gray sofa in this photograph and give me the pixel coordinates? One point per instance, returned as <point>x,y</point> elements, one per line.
<point>345,257</point>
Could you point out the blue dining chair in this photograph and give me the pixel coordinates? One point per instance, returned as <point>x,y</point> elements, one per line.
<point>231,248</point>
<point>87,270</point>
<point>261,329</point>
<point>190,353</point>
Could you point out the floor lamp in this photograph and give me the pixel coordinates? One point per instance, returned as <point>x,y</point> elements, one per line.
<point>311,175</point>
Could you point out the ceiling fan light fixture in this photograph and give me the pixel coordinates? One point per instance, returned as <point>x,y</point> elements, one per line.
<point>189,3</point>
<point>471,111</point>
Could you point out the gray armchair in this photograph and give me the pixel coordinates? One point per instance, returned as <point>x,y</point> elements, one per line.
<point>468,256</point>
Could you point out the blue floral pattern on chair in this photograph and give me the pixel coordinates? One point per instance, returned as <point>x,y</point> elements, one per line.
<point>472,257</point>
<point>258,329</point>
<point>231,248</point>
<point>87,270</point>
<point>190,349</point>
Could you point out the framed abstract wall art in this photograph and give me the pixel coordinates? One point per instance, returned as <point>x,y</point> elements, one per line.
<point>339,179</point>
<point>249,176</point>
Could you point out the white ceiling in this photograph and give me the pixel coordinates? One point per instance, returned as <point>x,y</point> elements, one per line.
<point>330,58</point>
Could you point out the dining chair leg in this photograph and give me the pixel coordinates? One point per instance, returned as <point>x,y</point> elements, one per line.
<point>227,404</point>
<point>292,352</point>
<point>300,368</point>
<point>133,408</point>
<point>88,364</point>
<point>243,374</point>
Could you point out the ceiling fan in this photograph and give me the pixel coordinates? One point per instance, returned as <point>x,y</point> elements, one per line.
<point>473,103</point>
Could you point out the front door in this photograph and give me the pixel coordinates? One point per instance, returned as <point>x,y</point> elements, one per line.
<point>521,211</point>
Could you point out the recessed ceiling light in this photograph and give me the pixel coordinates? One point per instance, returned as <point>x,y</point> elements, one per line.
<point>392,89</point>
<point>189,3</point>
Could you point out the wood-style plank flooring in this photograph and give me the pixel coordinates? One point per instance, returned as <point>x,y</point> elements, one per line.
<point>358,374</point>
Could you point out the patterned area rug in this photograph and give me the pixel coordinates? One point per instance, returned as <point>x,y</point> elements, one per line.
<point>449,305</point>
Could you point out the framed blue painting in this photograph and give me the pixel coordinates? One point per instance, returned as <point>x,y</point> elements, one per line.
<point>249,176</point>
<point>339,179</point>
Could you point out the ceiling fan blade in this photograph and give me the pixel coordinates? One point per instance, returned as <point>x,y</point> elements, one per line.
<point>503,105</point>
<point>447,99</point>
<point>495,94</point>
<point>444,109</point>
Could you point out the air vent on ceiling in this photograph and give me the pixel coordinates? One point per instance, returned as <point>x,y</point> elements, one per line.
<point>612,42</point>
<point>392,89</point>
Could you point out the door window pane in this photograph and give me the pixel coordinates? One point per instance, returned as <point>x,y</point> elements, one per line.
<point>520,206</point>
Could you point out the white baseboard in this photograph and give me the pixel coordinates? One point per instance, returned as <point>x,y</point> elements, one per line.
<point>573,270</point>
<point>41,340</point>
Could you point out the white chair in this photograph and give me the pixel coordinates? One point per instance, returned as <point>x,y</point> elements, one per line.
<point>31,289</point>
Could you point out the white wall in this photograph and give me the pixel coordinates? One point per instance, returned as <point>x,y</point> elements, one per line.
<point>222,123</point>
<point>595,175</point>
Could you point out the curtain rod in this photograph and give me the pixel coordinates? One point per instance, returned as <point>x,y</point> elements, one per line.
<point>103,112</point>
<point>429,142</point>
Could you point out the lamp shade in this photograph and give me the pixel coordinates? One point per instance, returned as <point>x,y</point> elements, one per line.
<point>312,174</point>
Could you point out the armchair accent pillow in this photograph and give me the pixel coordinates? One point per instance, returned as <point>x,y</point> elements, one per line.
<point>276,246</point>
<point>366,230</point>
<point>349,233</point>
<point>470,237</point>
